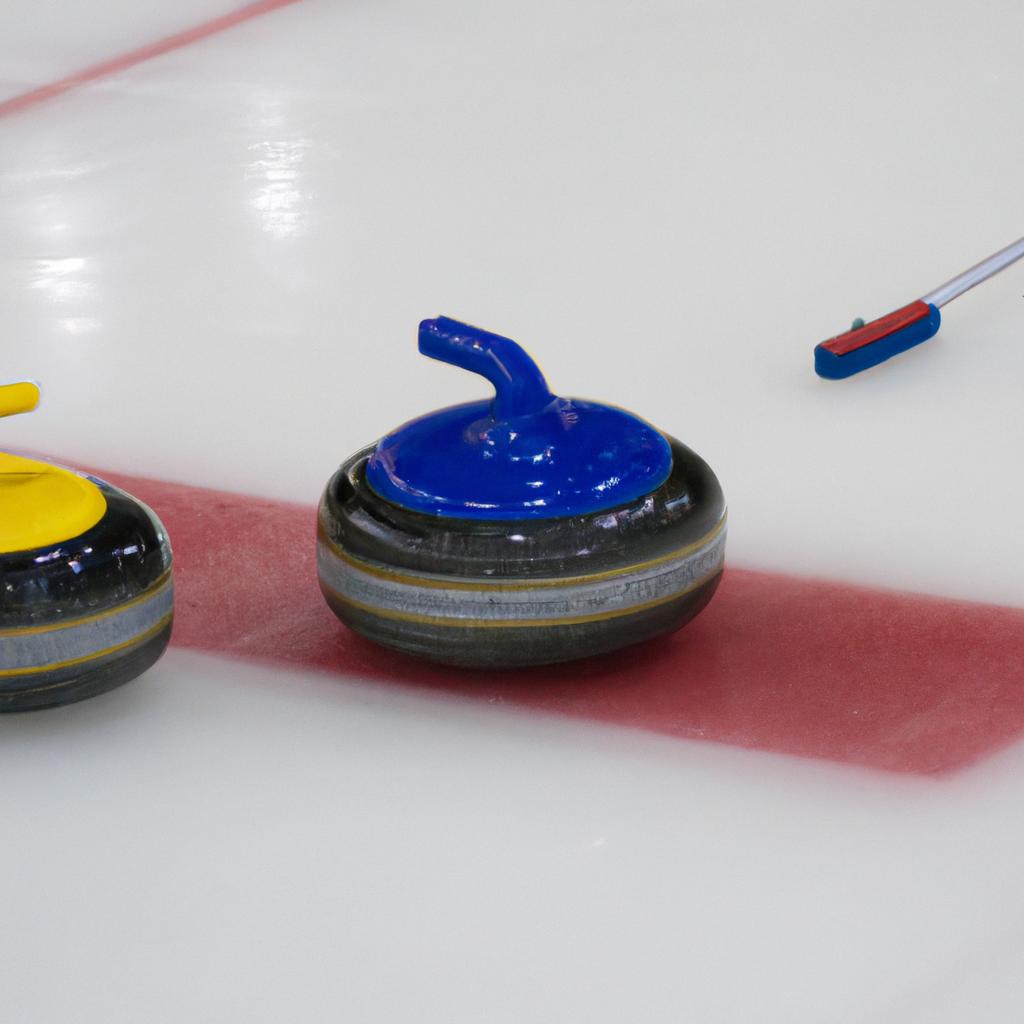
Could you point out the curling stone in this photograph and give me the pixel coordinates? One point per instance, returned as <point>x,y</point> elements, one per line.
<point>86,595</point>
<point>521,531</point>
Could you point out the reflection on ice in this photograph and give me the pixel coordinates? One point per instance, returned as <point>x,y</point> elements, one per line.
<point>276,173</point>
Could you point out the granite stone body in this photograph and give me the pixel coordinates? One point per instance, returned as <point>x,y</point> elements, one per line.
<point>503,594</point>
<point>88,614</point>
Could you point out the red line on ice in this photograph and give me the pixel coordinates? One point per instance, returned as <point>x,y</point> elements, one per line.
<point>127,60</point>
<point>896,681</point>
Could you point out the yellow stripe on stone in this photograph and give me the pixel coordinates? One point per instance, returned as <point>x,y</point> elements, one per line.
<point>134,641</point>
<point>470,623</point>
<point>503,585</point>
<point>153,590</point>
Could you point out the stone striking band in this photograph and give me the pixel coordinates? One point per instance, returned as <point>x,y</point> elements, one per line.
<point>472,603</point>
<point>36,650</point>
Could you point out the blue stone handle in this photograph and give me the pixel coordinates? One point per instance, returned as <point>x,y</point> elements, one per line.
<point>519,385</point>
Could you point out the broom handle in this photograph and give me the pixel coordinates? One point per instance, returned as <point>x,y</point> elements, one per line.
<point>975,275</point>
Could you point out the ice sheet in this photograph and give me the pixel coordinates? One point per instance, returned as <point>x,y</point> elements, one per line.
<point>216,261</point>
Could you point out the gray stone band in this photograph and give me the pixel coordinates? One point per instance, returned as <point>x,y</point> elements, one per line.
<point>60,644</point>
<point>525,602</point>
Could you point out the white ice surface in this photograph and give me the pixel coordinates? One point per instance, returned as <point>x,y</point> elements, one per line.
<point>214,845</point>
<point>216,261</point>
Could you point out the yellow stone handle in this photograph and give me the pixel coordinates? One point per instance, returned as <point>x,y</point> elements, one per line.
<point>20,397</point>
<point>41,505</point>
